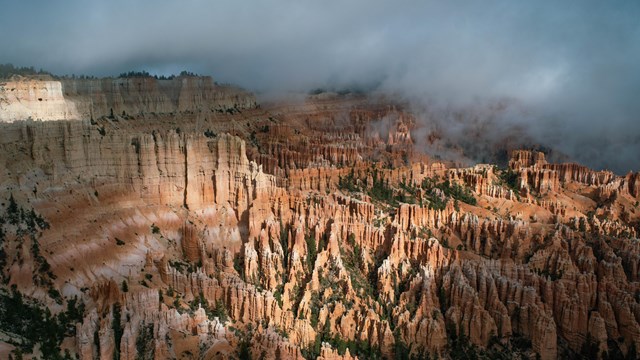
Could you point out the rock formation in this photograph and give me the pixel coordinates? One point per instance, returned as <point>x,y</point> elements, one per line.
<point>73,99</point>
<point>298,231</point>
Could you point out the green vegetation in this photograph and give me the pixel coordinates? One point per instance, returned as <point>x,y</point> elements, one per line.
<point>19,217</point>
<point>410,192</point>
<point>238,265</point>
<point>459,345</point>
<point>145,345</point>
<point>3,254</point>
<point>219,310</point>
<point>582,224</point>
<point>436,194</point>
<point>349,182</point>
<point>7,70</point>
<point>372,277</point>
<point>182,267</point>
<point>284,243</point>
<point>552,275</point>
<point>177,303</point>
<point>381,191</point>
<point>315,309</point>
<point>352,261</point>
<point>255,142</point>
<point>458,192</point>
<point>96,339</point>
<point>312,251</point>
<point>356,347</point>
<point>450,190</point>
<point>74,314</point>
<point>461,348</point>
<point>243,350</point>
<point>146,74</point>
<point>13,211</point>
<point>33,323</point>
<point>442,299</point>
<point>330,279</point>
<point>27,225</point>
<point>135,74</point>
<point>402,351</point>
<point>42,274</point>
<point>277,294</point>
<point>118,330</point>
<point>509,178</point>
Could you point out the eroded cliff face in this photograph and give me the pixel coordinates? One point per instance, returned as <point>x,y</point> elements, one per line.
<point>309,235</point>
<point>21,99</point>
<point>43,98</point>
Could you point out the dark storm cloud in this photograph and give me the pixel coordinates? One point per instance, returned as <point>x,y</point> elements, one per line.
<point>569,70</point>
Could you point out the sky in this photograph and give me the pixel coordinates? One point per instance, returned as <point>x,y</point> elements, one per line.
<point>565,74</point>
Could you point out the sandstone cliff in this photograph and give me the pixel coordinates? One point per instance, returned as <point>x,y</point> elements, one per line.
<point>290,242</point>
<point>73,99</point>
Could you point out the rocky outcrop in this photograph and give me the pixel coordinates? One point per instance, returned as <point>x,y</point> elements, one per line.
<point>537,174</point>
<point>74,99</point>
<point>22,99</point>
<point>188,170</point>
<point>526,158</point>
<point>482,180</point>
<point>315,237</point>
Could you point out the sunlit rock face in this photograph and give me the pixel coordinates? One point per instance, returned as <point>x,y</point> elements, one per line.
<point>306,229</point>
<point>21,99</point>
<point>71,99</point>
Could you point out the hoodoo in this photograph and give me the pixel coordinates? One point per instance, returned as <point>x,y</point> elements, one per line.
<point>192,221</point>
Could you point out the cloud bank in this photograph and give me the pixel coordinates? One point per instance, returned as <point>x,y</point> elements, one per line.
<point>569,69</point>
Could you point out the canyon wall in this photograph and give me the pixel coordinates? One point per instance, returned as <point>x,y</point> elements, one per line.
<point>310,235</point>
<point>44,98</point>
